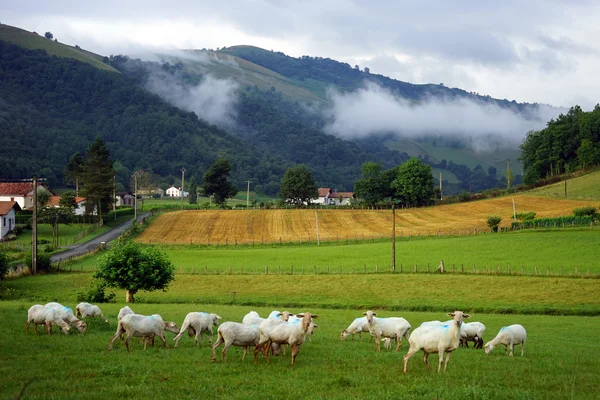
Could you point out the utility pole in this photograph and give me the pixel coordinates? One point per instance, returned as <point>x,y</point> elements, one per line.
<point>441,197</point>
<point>514,210</point>
<point>115,196</point>
<point>135,176</point>
<point>508,173</point>
<point>248,195</point>
<point>34,229</point>
<point>393,237</point>
<point>182,186</point>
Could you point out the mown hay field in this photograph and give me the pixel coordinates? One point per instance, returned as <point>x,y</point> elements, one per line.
<point>258,226</point>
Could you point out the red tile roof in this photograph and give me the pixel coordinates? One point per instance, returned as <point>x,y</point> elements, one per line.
<point>55,200</point>
<point>345,195</point>
<point>16,188</point>
<point>6,206</point>
<point>322,192</point>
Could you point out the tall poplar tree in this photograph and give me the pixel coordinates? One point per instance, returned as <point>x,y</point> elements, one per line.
<point>97,177</point>
<point>193,197</point>
<point>74,170</point>
<point>216,182</point>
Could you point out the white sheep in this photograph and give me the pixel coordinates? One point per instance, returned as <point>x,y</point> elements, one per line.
<point>359,325</point>
<point>46,316</point>
<point>280,315</point>
<point>276,348</point>
<point>508,336</point>
<point>436,339</point>
<point>89,310</point>
<point>274,330</point>
<point>393,328</point>
<point>196,323</point>
<point>472,332</point>
<point>252,318</point>
<point>123,312</point>
<point>235,334</point>
<point>67,315</point>
<point>143,326</point>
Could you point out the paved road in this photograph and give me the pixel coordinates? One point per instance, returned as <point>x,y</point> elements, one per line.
<point>94,243</point>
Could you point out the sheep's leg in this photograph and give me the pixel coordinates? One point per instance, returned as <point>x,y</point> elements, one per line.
<point>512,347</point>
<point>35,328</point>
<point>441,353</point>
<point>398,342</point>
<point>224,352</point>
<point>216,346</point>
<point>505,349</point>
<point>48,329</point>
<point>447,359</point>
<point>210,341</point>
<point>522,348</point>
<point>127,343</point>
<point>246,349</point>
<point>295,349</point>
<point>426,359</point>
<point>378,343</point>
<point>118,334</point>
<point>411,352</point>
<point>27,326</point>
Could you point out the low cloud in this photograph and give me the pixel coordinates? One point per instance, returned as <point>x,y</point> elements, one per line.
<point>373,110</point>
<point>212,99</point>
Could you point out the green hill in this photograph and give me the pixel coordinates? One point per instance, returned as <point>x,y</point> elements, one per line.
<point>33,41</point>
<point>582,187</point>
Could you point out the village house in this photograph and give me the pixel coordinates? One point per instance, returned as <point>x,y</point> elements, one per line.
<point>328,197</point>
<point>125,199</point>
<point>176,192</point>
<point>21,192</point>
<point>79,209</point>
<point>7,217</point>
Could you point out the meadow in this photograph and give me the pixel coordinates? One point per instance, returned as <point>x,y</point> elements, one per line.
<point>251,226</point>
<point>583,187</point>
<point>79,366</point>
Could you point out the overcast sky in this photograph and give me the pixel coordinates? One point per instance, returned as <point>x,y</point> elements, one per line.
<point>530,51</point>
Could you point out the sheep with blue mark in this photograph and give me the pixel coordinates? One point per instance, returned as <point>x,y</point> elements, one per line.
<point>393,328</point>
<point>434,338</point>
<point>358,326</point>
<point>67,315</point>
<point>196,323</point>
<point>85,310</point>
<point>509,336</point>
<point>41,315</point>
<point>472,332</point>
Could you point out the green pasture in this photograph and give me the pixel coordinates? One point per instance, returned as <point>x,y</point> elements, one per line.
<point>240,198</point>
<point>582,187</point>
<point>557,363</point>
<point>417,292</point>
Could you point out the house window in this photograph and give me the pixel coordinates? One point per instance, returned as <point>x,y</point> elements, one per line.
<point>4,221</point>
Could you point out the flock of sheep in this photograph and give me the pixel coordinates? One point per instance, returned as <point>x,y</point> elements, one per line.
<point>282,329</point>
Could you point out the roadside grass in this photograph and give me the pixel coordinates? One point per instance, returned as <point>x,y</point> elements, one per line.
<point>414,292</point>
<point>81,367</point>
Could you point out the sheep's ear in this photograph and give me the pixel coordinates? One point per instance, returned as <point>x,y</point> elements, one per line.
<point>450,314</point>
<point>374,314</point>
<point>279,314</point>
<point>316,326</point>
<point>365,313</point>
<point>466,316</point>
<point>314,316</point>
<point>219,317</point>
<point>300,315</point>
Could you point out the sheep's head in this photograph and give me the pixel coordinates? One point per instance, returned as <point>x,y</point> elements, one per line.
<point>81,326</point>
<point>306,320</point>
<point>311,329</point>
<point>458,317</point>
<point>488,347</point>
<point>215,319</point>
<point>171,327</point>
<point>284,315</point>
<point>370,316</point>
<point>344,334</point>
<point>65,328</point>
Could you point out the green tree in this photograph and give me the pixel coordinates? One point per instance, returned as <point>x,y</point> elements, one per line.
<point>4,267</point>
<point>74,170</point>
<point>68,201</point>
<point>49,35</point>
<point>372,188</point>
<point>216,182</point>
<point>43,196</point>
<point>133,267</point>
<point>588,154</point>
<point>414,183</point>
<point>298,186</point>
<point>493,222</point>
<point>193,197</point>
<point>97,177</point>
<point>55,216</point>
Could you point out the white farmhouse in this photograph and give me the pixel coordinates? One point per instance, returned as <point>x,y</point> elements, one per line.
<point>7,217</point>
<point>176,192</point>
<point>21,192</point>
<point>328,197</point>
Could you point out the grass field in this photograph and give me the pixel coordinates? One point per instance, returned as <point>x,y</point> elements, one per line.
<point>582,187</point>
<point>240,198</point>
<point>81,367</point>
<point>247,226</point>
<point>32,41</point>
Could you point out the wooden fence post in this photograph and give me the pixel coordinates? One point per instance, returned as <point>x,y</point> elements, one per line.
<point>536,270</point>
<point>279,269</point>
<point>292,270</point>
<point>427,267</point>
<point>365,268</point>
<point>462,268</point>
<point>498,269</point>
<point>509,269</point>
<point>415,268</point>
<point>376,268</point>
<point>230,270</point>
<point>315,269</point>
<point>522,269</point>
<point>267,269</point>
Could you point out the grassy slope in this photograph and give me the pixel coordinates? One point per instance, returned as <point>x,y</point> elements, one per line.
<point>582,187</point>
<point>81,366</point>
<point>32,41</point>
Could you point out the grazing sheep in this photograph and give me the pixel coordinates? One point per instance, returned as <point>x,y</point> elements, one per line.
<point>252,318</point>
<point>67,315</point>
<point>143,326</point>
<point>508,336</point>
<point>277,331</point>
<point>436,339</point>
<point>89,310</point>
<point>472,332</point>
<point>123,312</point>
<point>359,325</point>
<point>387,343</point>
<point>235,334</point>
<point>280,315</point>
<point>46,316</point>
<point>197,323</point>
<point>394,328</point>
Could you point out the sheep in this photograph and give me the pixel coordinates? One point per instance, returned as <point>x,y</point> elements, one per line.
<point>472,332</point>
<point>277,331</point>
<point>252,318</point>
<point>359,325</point>
<point>276,348</point>
<point>89,310</point>
<point>393,328</point>
<point>508,336</point>
<point>436,339</point>
<point>280,315</point>
<point>196,323</point>
<point>235,334</point>
<point>123,312</point>
<point>41,315</point>
<point>145,327</point>
<point>67,314</point>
